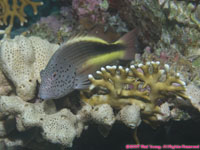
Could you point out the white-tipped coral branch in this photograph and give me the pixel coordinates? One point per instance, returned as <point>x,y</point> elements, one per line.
<point>143,85</point>
<point>16,9</point>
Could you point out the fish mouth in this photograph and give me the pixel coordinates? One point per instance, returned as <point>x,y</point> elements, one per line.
<point>43,96</point>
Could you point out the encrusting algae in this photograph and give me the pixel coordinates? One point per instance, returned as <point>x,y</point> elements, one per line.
<point>143,85</point>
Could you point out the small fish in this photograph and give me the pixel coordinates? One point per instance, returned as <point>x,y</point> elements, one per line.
<point>70,65</point>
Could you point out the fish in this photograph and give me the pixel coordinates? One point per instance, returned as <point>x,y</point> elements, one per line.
<point>69,67</point>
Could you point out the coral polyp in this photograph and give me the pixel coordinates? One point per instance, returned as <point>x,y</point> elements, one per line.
<point>142,85</point>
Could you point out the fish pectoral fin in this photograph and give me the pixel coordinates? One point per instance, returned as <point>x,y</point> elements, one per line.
<point>81,82</point>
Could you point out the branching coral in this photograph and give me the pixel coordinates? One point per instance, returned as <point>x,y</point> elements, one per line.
<point>144,85</point>
<point>15,10</point>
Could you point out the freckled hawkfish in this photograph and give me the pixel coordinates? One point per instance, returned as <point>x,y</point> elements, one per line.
<point>70,65</point>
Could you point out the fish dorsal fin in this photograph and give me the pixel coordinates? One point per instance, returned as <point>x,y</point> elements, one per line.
<point>84,38</point>
<point>81,48</point>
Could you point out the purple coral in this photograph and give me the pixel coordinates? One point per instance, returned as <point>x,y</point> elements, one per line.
<point>91,9</point>
<point>52,22</point>
<point>66,12</point>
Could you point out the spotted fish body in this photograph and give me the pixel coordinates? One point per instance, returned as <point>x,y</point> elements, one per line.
<point>70,65</point>
<point>56,80</point>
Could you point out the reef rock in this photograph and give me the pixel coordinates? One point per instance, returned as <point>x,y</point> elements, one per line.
<point>22,59</point>
<point>130,116</point>
<point>103,114</point>
<point>5,87</point>
<point>194,95</point>
<point>57,127</point>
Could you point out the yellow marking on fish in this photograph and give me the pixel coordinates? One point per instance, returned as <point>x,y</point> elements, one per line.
<point>87,39</point>
<point>100,59</point>
<point>119,42</point>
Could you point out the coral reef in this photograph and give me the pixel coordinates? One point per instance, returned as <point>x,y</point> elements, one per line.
<point>193,93</point>
<point>94,10</point>
<point>184,41</point>
<point>7,124</point>
<point>103,114</point>
<point>5,87</point>
<point>116,23</point>
<point>15,10</point>
<point>181,37</point>
<point>57,128</point>
<point>144,85</point>
<point>130,116</point>
<point>55,28</point>
<point>165,25</point>
<point>144,14</point>
<point>182,11</point>
<point>22,59</point>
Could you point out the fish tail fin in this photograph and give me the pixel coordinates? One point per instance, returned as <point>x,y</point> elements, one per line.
<point>130,40</point>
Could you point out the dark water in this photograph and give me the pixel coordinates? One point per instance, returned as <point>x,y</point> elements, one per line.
<point>174,133</point>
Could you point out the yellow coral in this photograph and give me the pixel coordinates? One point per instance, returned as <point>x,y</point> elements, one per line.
<point>143,85</point>
<point>15,10</point>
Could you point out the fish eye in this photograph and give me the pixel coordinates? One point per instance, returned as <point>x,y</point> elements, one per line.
<point>54,74</point>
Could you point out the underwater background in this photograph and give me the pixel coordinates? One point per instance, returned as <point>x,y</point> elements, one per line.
<point>159,105</point>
